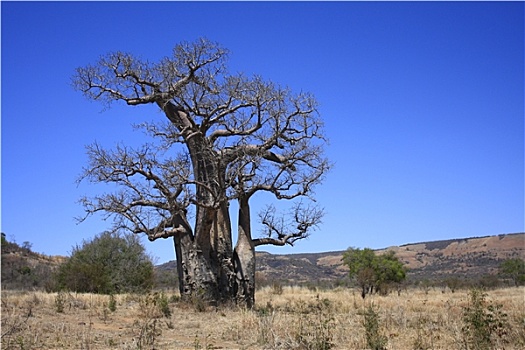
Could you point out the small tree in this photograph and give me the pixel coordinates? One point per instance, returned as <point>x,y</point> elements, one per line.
<point>389,270</point>
<point>453,283</point>
<point>372,271</point>
<point>110,263</point>
<point>361,265</point>
<point>514,269</point>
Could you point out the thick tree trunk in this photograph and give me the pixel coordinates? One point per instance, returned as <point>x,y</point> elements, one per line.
<point>180,271</point>
<point>212,246</point>
<point>196,278</point>
<point>214,242</point>
<point>195,275</point>
<point>213,226</point>
<point>222,252</point>
<point>244,258</point>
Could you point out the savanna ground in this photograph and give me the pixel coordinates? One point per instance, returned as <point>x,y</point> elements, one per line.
<point>284,318</point>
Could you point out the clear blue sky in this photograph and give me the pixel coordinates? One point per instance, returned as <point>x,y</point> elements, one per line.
<point>423,104</point>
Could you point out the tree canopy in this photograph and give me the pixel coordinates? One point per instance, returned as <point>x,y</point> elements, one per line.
<point>225,137</point>
<point>372,271</point>
<point>514,269</point>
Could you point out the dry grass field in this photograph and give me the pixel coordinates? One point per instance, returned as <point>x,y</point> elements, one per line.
<point>287,318</point>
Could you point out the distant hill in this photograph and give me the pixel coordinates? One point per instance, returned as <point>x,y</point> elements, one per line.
<point>24,269</point>
<point>468,258</point>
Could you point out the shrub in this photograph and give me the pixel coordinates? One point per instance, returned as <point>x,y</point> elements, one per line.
<point>112,305</point>
<point>60,301</point>
<point>372,324</point>
<point>315,332</point>
<point>484,322</point>
<point>163,303</point>
<point>514,269</point>
<point>110,263</point>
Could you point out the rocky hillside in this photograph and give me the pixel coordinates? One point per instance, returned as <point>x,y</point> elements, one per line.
<point>24,269</point>
<point>464,258</point>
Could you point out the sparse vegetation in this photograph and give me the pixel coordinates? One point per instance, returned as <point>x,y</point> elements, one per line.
<point>60,301</point>
<point>299,318</point>
<point>24,269</point>
<point>318,315</point>
<point>112,304</point>
<point>147,328</point>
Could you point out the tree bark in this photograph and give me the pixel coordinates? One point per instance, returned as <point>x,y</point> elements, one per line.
<point>213,226</point>
<point>195,275</point>
<point>196,278</point>
<point>244,257</point>
<point>213,241</point>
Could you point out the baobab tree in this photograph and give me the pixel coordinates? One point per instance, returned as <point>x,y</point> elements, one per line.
<point>224,137</point>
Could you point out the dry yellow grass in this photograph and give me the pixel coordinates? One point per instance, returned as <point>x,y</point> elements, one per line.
<point>298,318</point>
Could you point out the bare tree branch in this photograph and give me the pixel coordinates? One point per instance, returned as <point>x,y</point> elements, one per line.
<point>153,191</point>
<point>289,227</point>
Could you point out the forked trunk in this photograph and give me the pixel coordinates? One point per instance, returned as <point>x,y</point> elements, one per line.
<point>211,248</point>
<point>212,226</point>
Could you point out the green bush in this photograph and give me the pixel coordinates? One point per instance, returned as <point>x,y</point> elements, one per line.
<point>514,269</point>
<point>484,324</point>
<point>110,263</point>
<point>372,324</point>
